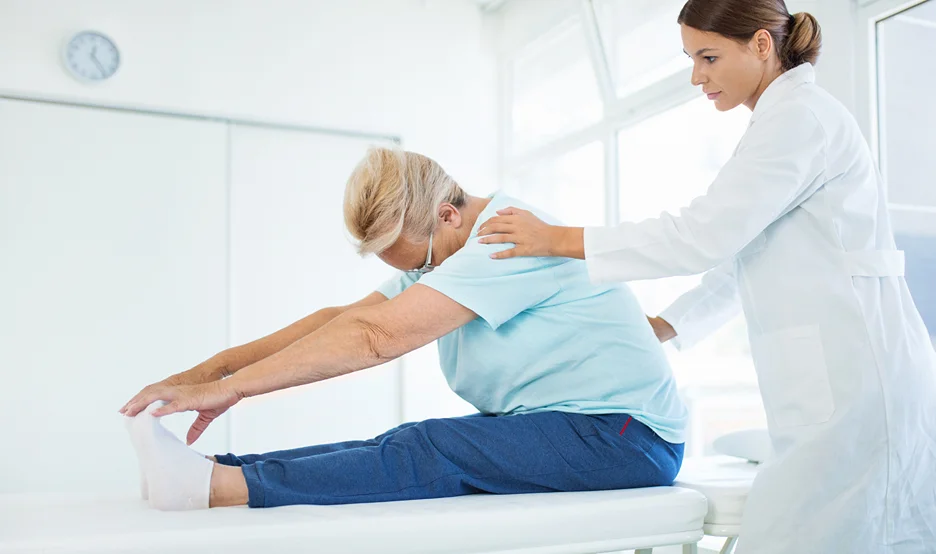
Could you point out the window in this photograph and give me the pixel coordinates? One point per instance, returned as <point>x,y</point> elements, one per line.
<point>667,143</point>
<point>569,187</point>
<point>907,115</point>
<point>554,88</point>
<point>665,162</point>
<point>642,42</point>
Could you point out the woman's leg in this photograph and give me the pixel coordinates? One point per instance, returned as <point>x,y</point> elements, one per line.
<point>304,452</point>
<point>228,487</point>
<point>547,451</point>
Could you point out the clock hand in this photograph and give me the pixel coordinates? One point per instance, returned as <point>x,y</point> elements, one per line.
<point>96,61</point>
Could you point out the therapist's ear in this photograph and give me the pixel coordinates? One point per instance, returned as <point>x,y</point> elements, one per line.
<point>450,214</point>
<point>762,44</point>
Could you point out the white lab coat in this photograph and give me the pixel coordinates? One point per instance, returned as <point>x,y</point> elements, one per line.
<point>795,231</point>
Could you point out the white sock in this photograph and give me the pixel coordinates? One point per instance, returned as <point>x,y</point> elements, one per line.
<point>144,486</point>
<point>179,478</point>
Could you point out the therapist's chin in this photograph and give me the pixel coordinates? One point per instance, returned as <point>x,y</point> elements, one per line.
<point>725,104</point>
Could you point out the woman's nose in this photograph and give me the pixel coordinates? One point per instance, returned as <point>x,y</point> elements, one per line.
<point>697,78</point>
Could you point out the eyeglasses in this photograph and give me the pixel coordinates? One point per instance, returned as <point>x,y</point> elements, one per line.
<point>427,267</point>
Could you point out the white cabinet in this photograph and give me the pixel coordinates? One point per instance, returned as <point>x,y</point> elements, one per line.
<point>112,275</point>
<point>290,256</point>
<point>135,246</point>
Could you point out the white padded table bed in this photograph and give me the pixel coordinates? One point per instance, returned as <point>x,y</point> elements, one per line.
<point>725,481</point>
<point>551,523</point>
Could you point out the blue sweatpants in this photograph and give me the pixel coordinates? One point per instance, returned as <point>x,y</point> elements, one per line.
<point>538,452</point>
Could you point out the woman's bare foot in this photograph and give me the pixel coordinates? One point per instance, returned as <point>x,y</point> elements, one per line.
<point>228,486</point>
<point>212,458</point>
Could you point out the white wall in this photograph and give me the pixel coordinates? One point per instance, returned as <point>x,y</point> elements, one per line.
<point>112,276</point>
<point>837,64</point>
<point>419,69</point>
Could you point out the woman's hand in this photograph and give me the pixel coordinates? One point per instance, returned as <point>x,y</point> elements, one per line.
<point>662,329</point>
<point>210,400</point>
<point>211,370</point>
<point>198,375</point>
<point>530,235</point>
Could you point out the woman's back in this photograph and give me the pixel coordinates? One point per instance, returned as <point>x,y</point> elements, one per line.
<point>547,339</point>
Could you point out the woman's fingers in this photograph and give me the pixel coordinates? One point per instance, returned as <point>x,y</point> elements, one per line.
<point>135,398</point>
<point>198,427</point>
<point>170,408</point>
<point>144,399</point>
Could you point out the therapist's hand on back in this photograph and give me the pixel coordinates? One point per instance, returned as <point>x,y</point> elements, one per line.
<point>662,329</point>
<point>530,235</point>
<point>534,237</point>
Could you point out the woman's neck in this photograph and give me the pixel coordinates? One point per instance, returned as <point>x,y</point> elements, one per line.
<point>769,77</point>
<point>469,216</point>
<point>473,208</point>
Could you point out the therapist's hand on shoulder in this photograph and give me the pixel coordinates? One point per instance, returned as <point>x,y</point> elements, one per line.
<point>530,235</point>
<point>210,400</point>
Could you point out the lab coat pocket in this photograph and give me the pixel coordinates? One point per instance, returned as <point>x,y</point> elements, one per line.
<point>793,376</point>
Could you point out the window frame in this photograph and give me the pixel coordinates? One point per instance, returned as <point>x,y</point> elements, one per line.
<point>618,113</point>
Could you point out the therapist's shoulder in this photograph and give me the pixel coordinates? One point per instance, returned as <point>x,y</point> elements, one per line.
<point>797,110</point>
<point>794,121</point>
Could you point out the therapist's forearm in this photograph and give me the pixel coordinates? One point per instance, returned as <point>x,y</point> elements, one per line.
<point>568,242</point>
<point>338,348</point>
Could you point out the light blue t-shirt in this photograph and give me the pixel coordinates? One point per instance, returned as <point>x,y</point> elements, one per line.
<point>547,339</point>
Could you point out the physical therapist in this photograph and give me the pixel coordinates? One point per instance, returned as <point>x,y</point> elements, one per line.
<point>794,231</point>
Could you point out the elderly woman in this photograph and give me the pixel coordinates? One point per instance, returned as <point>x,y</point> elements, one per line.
<point>573,389</point>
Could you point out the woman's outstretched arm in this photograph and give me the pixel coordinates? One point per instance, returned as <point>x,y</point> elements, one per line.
<point>361,337</point>
<point>242,356</point>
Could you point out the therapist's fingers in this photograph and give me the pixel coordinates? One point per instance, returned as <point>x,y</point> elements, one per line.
<point>495,229</point>
<point>496,222</point>
<point>510,253</point>
<point>509,211</point>
<point>498,239</point>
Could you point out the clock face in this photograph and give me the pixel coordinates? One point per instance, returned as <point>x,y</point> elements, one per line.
<point>91,56</point>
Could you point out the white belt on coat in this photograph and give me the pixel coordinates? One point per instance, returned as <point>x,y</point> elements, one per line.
<point>875,263</point>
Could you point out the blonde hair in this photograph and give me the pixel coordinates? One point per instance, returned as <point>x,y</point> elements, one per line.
<point>393,193</point>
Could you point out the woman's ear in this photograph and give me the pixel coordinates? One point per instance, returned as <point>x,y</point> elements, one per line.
<point>762,44</point>
<point>450,214</point>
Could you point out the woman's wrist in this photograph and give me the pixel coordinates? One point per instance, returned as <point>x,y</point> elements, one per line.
<point>567,242</point>
<point>218,367</point>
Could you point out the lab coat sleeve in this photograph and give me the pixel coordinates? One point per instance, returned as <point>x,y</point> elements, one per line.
<point>702,310</point>
<point>779,163</point>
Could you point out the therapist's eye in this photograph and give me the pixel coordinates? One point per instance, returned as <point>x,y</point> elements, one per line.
<point>710,59</point>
